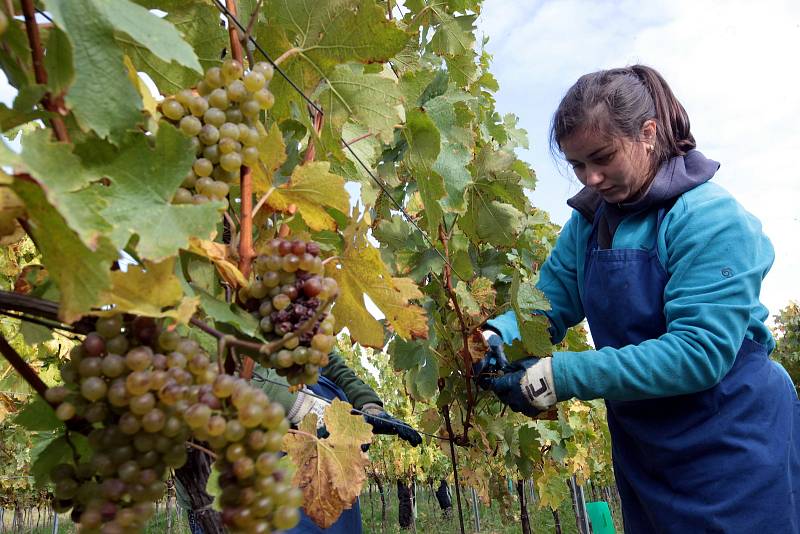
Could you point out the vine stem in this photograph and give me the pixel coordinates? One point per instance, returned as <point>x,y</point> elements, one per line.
<point>311,151</point>
<point>454,461</point>
<point>21,366</point>
<point>286,55</point>
<point>246,251</point>
<point>201,448</point>
<point>261,348</point>
<point>301,433</point>
<point>35,42</point>
<point>465,355</point>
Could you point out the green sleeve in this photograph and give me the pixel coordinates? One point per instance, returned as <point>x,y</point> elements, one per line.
<point>357,391</point>
<point>276,392</point>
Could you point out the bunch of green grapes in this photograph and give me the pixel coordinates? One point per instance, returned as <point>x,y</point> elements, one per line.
<point>145,392</point>
<point>115,381</point>
<point>247,435</point>
<point>288,291</point>
<point>220,119</point>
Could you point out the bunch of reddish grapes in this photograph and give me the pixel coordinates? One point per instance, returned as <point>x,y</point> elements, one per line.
<point>289,291</point>
<point>256,497</point>
<point>220,119</point>
<point>144,392</point>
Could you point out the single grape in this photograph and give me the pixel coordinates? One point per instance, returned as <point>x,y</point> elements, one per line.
<point>230,161</point>
<point>172,109</point>
<point>254,80</point>
<point>265,98</point>
<point>231,70</point>
<point>203,167</point>
<point>208,135</point>
<point>265,69</point>
<point>218,99</point>
<point>236,91</point>
<point>190,125</point>
<point>213,77</point>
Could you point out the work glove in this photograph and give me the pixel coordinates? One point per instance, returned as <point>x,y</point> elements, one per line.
<point>493,363</point>
<point>305,404</point>
<point>527,386</point>
<point>383,423</point>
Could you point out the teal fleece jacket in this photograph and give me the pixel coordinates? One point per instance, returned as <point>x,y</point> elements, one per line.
<point>715,255</point>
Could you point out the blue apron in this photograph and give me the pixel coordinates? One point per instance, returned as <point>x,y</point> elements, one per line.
<point>350,520</point>
<point>723,460</point>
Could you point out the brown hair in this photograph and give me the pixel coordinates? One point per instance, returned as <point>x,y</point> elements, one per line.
<point>617,102</point>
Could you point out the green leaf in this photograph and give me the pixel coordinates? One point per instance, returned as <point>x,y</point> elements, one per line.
<point>197,22</point>
<point>372,100</point>
<point>58,62</point>
<point>425,379</point>
<point>230,314</point>
<point>66,182</point>
<point>455,35</point>
<point>325,33</point>
<point>452,119</point>
<point>103,98</point>
<point>53,450</point>
<point>38,415</point>
<point>491,221</point>
<point>144,179</point>
<point>533,329</point>
<point>423,141</point>
<point>82,274</point>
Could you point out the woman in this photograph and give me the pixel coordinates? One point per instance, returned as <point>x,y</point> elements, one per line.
<point>666,267</point>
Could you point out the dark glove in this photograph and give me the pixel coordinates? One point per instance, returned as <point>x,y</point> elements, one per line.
<point>490,367</point>
<point>383,423</point>
<point>527,386</point>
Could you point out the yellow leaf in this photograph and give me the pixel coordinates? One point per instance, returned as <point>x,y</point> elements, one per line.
<point>360,271</point>
<point>153,291</point>
<point>218,254</point>
<point>148,102</point>
<point>330,471</point>
<point>271,155</point>
<point>311,189</point>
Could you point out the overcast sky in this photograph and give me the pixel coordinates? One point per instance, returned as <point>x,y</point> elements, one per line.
<point>732,64</point>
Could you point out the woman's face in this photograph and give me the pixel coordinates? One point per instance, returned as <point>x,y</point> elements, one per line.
<point>617,168</point>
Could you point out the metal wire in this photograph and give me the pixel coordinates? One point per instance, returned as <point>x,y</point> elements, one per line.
<point>307,391</point>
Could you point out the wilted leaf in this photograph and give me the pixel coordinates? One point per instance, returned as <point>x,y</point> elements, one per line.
<point>311,189</point>
<point>151,290</point>
<point>271,155</point>
<point>330,471</point>
<point>360,271</point>
<point>218,254</point>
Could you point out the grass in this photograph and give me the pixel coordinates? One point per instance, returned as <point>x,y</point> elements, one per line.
<point>429,520</point>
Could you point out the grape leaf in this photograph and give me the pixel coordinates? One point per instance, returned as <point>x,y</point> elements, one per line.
<point>311,188</point>
<point>324,33</point>
<point>550,488</point>
<point>223,312</point>
<point>452,117</point>
<point>361,271</point>
<point>491,221</point>
<point>533,328</point>
<point>217,253</point>
<point>58,62</point>
<point>423,141</point>
<point>102,97</point>
<point>197,22</point>
<point>144,181</point>
<point>65,181</point>
<point>373,100</point>
<point>330,471</point>
<point>271,155</point>
<point>151,290</point>
<point>38,415</point>
<point>81,274</point>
